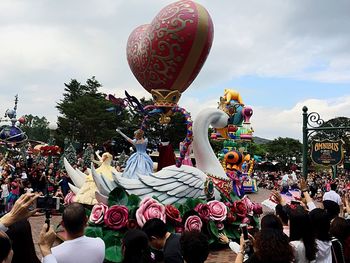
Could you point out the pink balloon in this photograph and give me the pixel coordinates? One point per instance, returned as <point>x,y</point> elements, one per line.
<point>22,120</point>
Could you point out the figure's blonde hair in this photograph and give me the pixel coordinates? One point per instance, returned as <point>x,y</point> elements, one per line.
<point>139,134</point>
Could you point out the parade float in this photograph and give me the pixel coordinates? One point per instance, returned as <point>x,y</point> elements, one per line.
<point>236,139</point>
<point>10,132</point>
<point>165,57</point>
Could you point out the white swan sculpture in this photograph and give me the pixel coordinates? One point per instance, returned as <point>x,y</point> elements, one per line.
<point>172,184</point>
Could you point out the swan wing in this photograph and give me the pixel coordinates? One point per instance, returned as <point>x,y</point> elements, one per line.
<point>101,198</point>
<point>169,185</point>
<point>77,176</point>
<point>74,189</point>
<point>103,187</point>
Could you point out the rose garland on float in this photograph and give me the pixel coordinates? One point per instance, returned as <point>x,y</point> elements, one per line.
<point>126,212</point>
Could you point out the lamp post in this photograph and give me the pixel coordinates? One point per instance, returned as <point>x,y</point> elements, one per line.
<point>52,128</point>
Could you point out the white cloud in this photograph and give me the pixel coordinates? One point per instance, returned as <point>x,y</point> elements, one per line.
<point>278,122</point>
<point>46,43</point>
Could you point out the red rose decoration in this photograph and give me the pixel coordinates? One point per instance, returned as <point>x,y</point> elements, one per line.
<point>179,229</point>
<point>172,214</point>
<point>218,210</point>
<point>193,223</point>
<point>239,208</point>
<point>231,217</point>
<point>203,211</point>
<point>132,224</point>
<point>257,209</point>
<point>117,217</point>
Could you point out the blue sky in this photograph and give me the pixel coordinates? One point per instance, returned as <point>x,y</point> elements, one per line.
<point>280,55</point>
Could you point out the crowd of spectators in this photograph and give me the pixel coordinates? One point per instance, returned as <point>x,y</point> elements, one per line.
<point>301,231</point>
<point>318,183</point>
<point>33,175</point>
<point>313,229</point>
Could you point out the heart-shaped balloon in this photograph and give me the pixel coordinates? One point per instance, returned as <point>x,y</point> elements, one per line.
<point>167,55</point>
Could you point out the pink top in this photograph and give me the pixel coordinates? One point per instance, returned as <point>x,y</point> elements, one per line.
<point>15,188</point>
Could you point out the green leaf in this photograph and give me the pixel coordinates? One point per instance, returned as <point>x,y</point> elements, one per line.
<point>211,240</point>
<point>114,253</point>
<point>87,212</point>
<point>110,237</point>
<point>180,207</point>
<point>234,197</point>
<point>94,231</point>
<point>185,208</point>
<point>170,228</point>
<point>257,221</point>
<point>231,232</point>
<point>191,203</point>
<point>133,201</point>
<point>213,229</point>
<point>118,197</point>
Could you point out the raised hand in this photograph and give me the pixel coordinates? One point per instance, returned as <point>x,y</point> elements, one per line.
<point>20,209</point>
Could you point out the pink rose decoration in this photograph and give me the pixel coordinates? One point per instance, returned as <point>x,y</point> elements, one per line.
<point>257,209</point>
<point>203,211</point>
<point>218,210</point>
<point>117,217</point>
<point>220,226</point>
<point>149,208</point>
<point>97,214</point>
<point>248,204</point>
<point>193,223</point>
<point>246,220</point>
<point>69,198</point>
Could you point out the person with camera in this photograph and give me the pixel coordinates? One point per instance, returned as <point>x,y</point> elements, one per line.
<point>74,221</point>
<point>20,210</point>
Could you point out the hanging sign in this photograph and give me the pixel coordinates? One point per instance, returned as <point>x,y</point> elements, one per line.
<point>327,152</point>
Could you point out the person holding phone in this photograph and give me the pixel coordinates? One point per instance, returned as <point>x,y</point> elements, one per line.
<point>74,220</point>
<point>270,244</point>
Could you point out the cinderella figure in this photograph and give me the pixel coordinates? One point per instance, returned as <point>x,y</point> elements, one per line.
<point>139,162</point>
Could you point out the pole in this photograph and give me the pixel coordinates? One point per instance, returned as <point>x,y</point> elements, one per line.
<point>335,171</point>
<point>305,143</point>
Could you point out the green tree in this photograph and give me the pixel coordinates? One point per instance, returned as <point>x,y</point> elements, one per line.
<point>282,149</point>
<point>84,117</point>
<point>70,154</point>
<point>174,132</point>
<point>258,149</point>
<point>36,128</point>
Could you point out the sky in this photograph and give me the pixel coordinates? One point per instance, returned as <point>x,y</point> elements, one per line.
<point>280,55</point>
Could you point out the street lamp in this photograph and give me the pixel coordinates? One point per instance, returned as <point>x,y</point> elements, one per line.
<point>52,128</point>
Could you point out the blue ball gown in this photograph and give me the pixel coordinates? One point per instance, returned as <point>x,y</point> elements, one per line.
<point>139,162</point>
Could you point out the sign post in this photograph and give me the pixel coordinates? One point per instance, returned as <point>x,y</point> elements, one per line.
<point>312,123</point>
